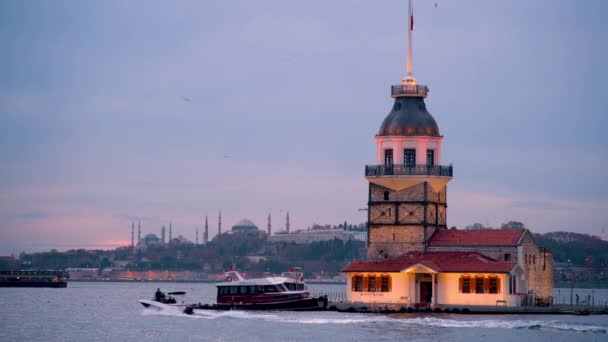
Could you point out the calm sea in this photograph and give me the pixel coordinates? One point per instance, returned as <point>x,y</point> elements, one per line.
<point>110,312</point>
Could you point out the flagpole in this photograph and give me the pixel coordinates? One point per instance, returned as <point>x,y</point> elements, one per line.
<point>410,25</point>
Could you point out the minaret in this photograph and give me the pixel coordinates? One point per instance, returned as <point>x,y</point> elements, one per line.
<point>603,234</point>
<point>287,222</point>
<point>138,233</point>
<point>408,184</point>
<point>206,233</point>
<point>197,235</point>
<point>219,224</point>
<point>132,235</point>
<point>269,226</point>
<point>162,233</point>
<point>170,231</point>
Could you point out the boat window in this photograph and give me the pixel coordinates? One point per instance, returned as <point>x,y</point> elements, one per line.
<point>234,290</point>
<point>252,289</point>
<point>300,287</point>
<point>260,289</point>
<point>243,290</point>
<point>270,289</point>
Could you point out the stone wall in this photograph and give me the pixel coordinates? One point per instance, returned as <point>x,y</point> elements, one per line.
<point>394,240</point>
<point>538,267</point>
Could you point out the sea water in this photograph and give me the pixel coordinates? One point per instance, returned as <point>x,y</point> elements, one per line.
<point>111,312</point>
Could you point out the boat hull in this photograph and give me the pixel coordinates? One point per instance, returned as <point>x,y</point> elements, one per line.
<point>32,284</point>
<point>152,304</point>
<point>295,305</point>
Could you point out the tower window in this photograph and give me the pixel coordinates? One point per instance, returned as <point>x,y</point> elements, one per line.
<point>507,257</point>
<point>390,212</point>
<point>386,195</point>
<point>388,157</point>
<point>393,236</point>
<point>409,157</point>
<point>397,107</point>
<point>430,157</point>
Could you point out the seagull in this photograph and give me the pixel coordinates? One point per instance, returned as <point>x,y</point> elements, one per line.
<point>186,99</point>
<point>435,5</point>
<point>227,156</point>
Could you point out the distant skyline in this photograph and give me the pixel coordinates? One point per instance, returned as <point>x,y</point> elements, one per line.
<point>114,111</point>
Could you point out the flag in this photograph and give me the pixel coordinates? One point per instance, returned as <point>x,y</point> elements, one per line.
<point>412,21</point>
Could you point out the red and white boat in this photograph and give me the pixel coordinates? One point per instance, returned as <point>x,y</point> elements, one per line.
<point>285,292</point>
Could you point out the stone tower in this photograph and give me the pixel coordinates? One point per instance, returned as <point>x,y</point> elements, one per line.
<point>407,198</point>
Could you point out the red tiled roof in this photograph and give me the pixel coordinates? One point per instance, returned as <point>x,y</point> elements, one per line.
<point>492,237</point>
<point>438,261</point>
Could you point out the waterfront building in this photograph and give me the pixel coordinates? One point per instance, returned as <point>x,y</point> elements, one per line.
<point>316,235</point>
<point>412,257</point>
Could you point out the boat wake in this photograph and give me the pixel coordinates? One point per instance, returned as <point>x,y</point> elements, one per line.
<point>504,324</point>
<point>353,318</point>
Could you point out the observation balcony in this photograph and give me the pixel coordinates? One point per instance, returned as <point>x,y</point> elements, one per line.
<point>401,90</point>
<point>402,170</point>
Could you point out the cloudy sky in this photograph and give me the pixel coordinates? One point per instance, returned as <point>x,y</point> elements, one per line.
<point>285,100</point>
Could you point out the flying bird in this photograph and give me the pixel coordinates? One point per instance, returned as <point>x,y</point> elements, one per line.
<point>186,99</point>
<point>435,4</point>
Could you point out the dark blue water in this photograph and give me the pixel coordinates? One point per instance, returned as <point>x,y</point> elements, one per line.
<point>110,312</point>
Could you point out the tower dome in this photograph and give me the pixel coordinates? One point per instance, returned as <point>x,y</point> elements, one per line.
<point>409,117</point>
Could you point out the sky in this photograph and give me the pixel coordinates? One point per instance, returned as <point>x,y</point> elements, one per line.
<point>284,100</point>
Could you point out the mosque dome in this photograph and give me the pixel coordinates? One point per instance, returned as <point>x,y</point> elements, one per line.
<point>244,225</point>
<point>409,117</point>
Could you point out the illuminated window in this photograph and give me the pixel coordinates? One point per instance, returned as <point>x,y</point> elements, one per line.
<point>465,284</point>
<point>358,283</point>
<point>384,286</point>
<point>479,285</point>
<point>371,284</point>
<point>493,284</point>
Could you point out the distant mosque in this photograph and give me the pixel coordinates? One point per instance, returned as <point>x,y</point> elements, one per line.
<point>245,226</point>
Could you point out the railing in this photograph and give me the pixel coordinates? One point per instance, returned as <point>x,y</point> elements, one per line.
<point>402,170</point>
<point>416,90</point>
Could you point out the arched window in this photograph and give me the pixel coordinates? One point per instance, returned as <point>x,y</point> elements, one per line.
<point>372,285</point>
<point>386,195</point>
<point>494,284</point>
<point>385,283</point>
<point>479,284</point>
<point>465,284</point>
<point>357,283</point>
